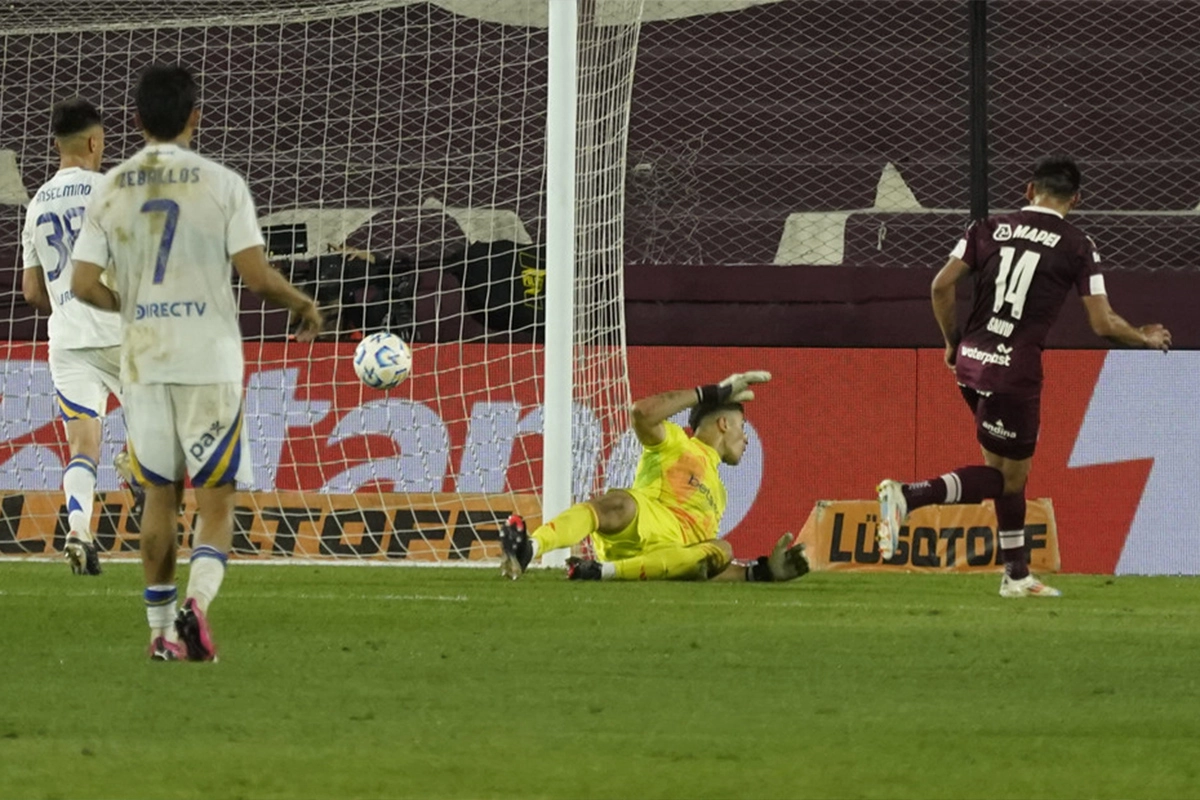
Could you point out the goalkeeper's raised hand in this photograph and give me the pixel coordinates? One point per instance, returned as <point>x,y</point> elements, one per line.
<point>734,389</point>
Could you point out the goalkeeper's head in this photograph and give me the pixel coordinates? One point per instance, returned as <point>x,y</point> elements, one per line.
<point>166,102</point>
<point>721,426</point>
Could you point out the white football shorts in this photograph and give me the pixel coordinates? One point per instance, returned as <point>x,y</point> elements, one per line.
<point>175,428</point>
<point>83,380</point>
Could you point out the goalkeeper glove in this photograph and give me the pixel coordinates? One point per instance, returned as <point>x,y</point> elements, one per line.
<point>786,562</point>
<point>735,388</point>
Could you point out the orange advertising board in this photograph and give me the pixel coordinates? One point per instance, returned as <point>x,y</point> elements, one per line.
<point>430,527</point>
<point>840,535</point>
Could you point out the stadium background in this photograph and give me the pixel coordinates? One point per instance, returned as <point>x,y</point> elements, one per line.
<point>773,211</point>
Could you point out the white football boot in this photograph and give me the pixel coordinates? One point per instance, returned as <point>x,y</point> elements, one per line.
<point>1028,586</point>
<point>893,511</point>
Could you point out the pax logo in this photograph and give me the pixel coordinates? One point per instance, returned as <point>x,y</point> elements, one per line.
<point>1002,233</point>
<point>207,440</point>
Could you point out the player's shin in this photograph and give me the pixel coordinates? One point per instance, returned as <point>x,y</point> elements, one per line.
<point>1010,523</point>
<point>694,562</point>
<point>211,543</point>
<point>566,530</point>
<point>157,546</point>
<point>79,487</point>
<point>158,537</point>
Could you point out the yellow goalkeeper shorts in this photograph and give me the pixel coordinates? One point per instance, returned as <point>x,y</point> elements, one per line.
<point>652,527</point>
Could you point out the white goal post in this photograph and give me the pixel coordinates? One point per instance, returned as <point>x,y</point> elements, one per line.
<point>561,100</point>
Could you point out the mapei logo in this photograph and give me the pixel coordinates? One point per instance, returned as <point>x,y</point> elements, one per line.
<point>1002,233</point>
<point>207,440</point>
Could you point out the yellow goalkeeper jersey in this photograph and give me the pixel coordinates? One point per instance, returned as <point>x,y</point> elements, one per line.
<point>680,475</point>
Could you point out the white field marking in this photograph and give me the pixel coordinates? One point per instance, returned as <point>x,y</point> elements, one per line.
<point>251,595</point>
<point>132,558</point>
<point>461,598</point>
<point>1001,606</point>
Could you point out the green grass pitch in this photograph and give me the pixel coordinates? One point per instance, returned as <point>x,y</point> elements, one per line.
<point>444,683</point>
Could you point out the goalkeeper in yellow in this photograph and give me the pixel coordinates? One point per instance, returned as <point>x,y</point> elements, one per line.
<point>665,526</point>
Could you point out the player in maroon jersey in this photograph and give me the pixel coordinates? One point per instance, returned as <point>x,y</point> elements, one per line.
<point>1023,265</point>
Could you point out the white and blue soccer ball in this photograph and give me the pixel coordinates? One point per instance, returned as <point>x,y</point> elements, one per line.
<point>382,360</point>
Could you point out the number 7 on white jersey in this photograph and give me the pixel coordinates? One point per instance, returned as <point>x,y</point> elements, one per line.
<point>171,209</point>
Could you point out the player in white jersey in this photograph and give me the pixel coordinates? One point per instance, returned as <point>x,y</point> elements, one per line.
<point>169,223</point>
<point>84,341</point>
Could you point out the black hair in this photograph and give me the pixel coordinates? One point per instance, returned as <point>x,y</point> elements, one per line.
<point>165,97</point>
<point>705,410</point>
<point>1057,175</point>
<point>69,117</point>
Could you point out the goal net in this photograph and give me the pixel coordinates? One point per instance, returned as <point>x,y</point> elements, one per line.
<point>395,151</point>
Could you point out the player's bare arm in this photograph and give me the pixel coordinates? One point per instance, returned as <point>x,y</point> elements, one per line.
<point>649,413</point>
<point>944,311</point>
<point>87,286</point>
<point>269,284</point>
<point>33,287</point>
<point>1112,326</point>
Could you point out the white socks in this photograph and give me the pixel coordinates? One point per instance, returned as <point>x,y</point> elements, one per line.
<point>79,486</point>
<point>160,610</point>
<point>208,570</point>
<point>1012,539</point>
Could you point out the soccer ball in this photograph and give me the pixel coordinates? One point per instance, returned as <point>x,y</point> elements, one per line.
<point>382,360</point>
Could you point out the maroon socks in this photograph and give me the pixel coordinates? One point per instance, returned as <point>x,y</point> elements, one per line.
<point>974,485</point>
<point>1010,523</point>
<point>963,485</point>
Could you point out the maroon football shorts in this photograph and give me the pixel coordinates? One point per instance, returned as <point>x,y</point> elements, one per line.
<point>1006,424</point>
